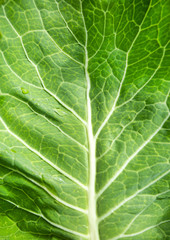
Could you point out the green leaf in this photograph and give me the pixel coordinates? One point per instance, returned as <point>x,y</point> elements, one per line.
<point>84,119</point>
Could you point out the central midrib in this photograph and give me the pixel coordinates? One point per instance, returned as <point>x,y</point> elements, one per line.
<point>92,216</point>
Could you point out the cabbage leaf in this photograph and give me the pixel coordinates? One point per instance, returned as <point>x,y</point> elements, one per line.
<point>84,118</point>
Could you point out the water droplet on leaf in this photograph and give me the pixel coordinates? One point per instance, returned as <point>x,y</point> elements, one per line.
<point>59,112</point>
<point>12,150</point>
<point>24,91</point>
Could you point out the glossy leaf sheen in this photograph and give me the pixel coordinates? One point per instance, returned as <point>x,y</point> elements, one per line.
<point>84,140</point>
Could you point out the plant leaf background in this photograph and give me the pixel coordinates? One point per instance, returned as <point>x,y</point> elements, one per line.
<point>63,63</point>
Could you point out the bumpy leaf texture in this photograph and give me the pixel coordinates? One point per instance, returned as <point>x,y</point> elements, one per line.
<point>84,119</point>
